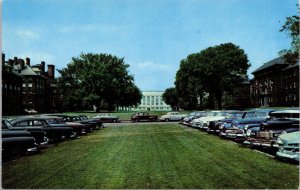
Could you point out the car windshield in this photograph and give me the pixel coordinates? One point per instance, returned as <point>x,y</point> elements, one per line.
<point>192,114</point>
<point>234,115</point>
<point>201,114</point>
<point>213,114</point>
<point>256,114</point>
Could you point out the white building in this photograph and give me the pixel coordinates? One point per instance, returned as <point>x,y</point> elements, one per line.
<point>151,101</point>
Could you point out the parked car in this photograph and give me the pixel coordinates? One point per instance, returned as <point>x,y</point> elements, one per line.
<point>99,123</point>
<point>172,116</point>
<point>49,124</point>
<point>193,115</point>
<point>237,131</point>
<point>16,143</point>
<point>283,121</point>
<point>203,122</point>
<point>76,120</point>
<point>38,134</point>
<point>214,126</point>
<point>78,128</point>
<point>143,116</point>
<point>289,146</point>
<point>254,114</point>
<point>107,118</point>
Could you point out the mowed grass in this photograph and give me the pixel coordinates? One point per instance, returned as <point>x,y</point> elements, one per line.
<point>148,156</point>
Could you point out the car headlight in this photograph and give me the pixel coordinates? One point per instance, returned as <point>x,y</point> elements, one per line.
<point>246,127</point>
<point>222,126</point>
<point>248,133</point>
<point>280,141</point>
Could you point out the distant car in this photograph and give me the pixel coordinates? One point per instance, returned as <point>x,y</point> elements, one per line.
<point>75,120</point>
<point>193,115</point>
<point>16,143</point>
<point>143,116</point>
<point>289,146</point>
<point>172,116</point>
<point>203,122</point>
<point>49,124</point>
<point>107,118</point>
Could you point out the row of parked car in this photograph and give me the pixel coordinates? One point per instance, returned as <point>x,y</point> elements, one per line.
<point>268,129</point>
<point>30,133</point>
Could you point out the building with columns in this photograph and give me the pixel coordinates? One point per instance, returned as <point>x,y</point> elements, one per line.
<point>151,101</point>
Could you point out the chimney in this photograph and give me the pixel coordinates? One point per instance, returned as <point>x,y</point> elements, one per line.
<point>51,71</point>
<point>10,62</point>
<point>22,63</point>
<point>15,61</point>
<point>28,61</point>
<point>3,59</point>
<point>43,66</point>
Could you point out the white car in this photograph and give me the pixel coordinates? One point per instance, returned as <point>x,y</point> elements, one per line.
<point>172,116</point>
<point>203,122</point>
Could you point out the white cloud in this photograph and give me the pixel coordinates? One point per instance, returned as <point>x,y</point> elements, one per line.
<point>151,66</point>
<point>26,34</point>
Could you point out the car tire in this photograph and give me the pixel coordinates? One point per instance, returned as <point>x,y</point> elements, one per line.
<point>167,119</point>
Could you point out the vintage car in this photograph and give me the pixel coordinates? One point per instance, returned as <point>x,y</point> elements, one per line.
<point>16,143</point>
<point>237,131</point>
<point>283,121</point>
<point>172,116</point>
<point>143,116</point>
<point>78,128</point>
<point>214,126</point>
<point>289,146</point>
<point>107,118</point>
<point>49,124</point>
<point>193,115</point>
<point>76,120</point>
<point>255,113</point>
<point>99,123</point>
<point>203,122</point>
<point>38,134</point>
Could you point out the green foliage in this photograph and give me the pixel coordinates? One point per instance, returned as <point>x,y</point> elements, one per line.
<point>171,98</point>
<point>213,70</point>
<point>291,27</point>
<point>97,79</point>
<point>157,156</point>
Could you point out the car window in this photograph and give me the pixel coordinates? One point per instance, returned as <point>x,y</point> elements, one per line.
<point>53,121</point>
<point>22,124</point>
<point>37,123</point>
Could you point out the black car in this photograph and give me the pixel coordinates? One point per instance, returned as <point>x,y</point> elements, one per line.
<point>50,125</point>
<point>16,143</point>
<point>37,132</point>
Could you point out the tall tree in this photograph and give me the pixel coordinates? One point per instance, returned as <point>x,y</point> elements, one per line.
<point>291,27</point>
<point>98,79</point>
<point>171,98</point>
<point>214,70</point>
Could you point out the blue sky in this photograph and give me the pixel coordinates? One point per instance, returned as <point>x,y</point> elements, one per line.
<point>152,35</point>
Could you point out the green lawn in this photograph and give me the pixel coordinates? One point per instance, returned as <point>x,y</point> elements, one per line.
<point>148,156</point>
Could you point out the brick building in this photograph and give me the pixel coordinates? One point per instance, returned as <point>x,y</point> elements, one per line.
<point>37,90</point>
<point>275,83</point>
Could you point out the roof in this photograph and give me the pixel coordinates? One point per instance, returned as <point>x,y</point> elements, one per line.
<point>277,61</point>
<point>26,71</point>
<point>292,65</point>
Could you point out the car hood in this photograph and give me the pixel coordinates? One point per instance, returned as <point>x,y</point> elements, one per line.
<point>291,137</point>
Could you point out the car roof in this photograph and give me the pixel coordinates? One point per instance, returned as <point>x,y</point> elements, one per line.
<point>286,111</point>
